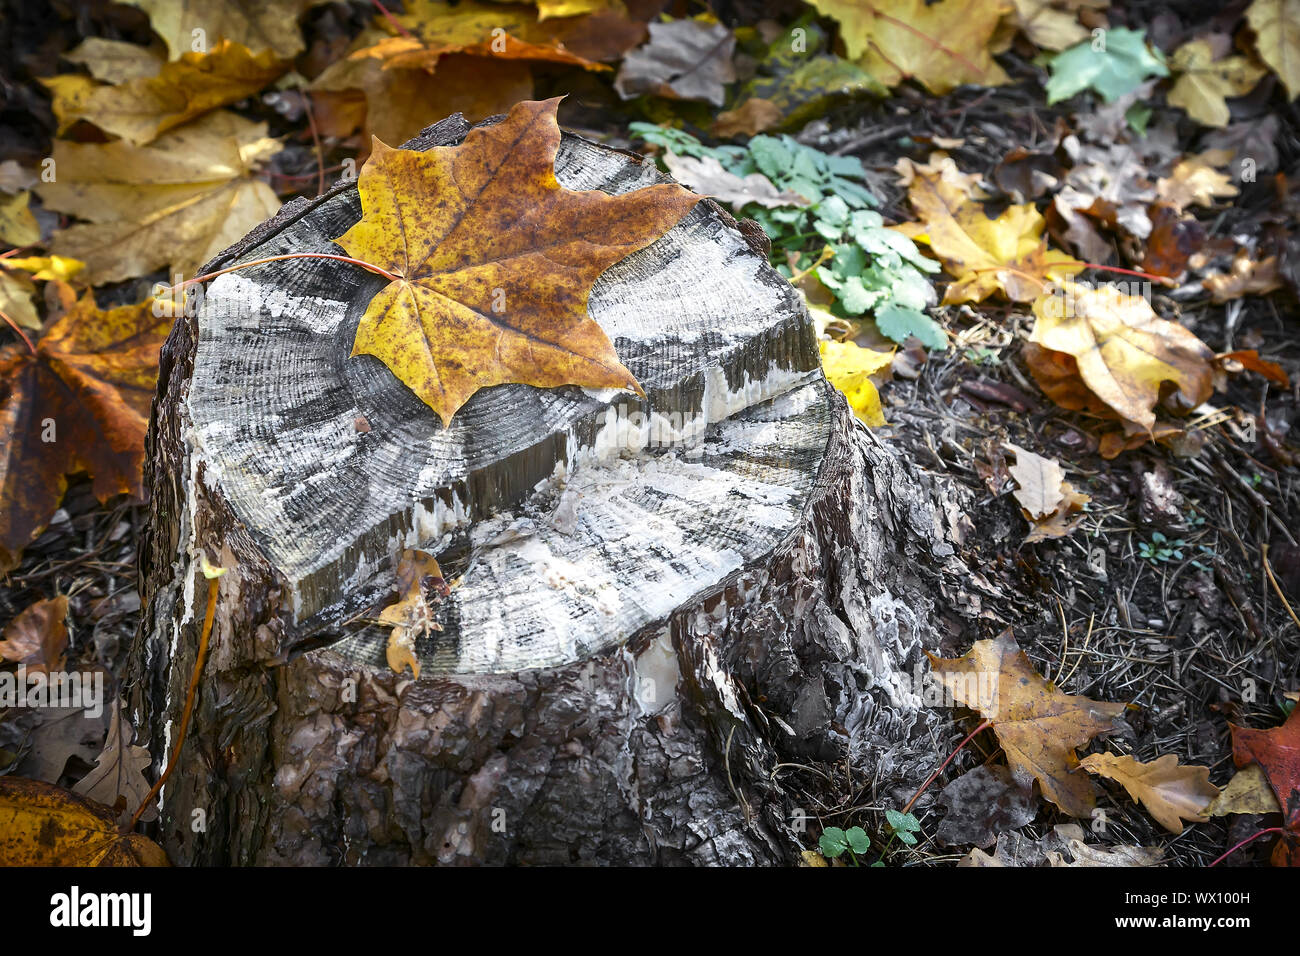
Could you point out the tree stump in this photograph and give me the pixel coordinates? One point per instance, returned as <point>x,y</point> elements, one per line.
<point>657,604</point>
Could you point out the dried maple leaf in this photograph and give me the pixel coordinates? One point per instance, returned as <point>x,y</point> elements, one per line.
<point>984,255</point>
<point>38,637</point>
<point>941,44</point>
<point>496,260</point>
<point>1170,792</point>
<point>849,367</point>
<point>80,402</point>
<point>176,203</point>
<point>412,616</point>
<point>1037,725</point>
<point>1278,752</point>
<point>141,109</point>
<point>1124,353</point>
<point>43,825</point>
<point>1247,792</point>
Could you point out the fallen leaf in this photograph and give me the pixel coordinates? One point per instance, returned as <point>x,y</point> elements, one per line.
<point>1247,792</point>
<point>16,292</point>
<point>941,167</point>
<point>58,735</point>
<point>17,224</point>
<point>117,780</point>
<point>495,261</point>
<point>1046,25</point>
<point>706,175</point>
<point>45,268</point>
<point>114,61</point>
<point>1039,483</point>
<point>1037,726</point>
<point>941,44</point>
<point>1277,37</point>
<point>176,203</point>
<point>1193,182</point>
<point>849,367</point>
<point>1249,359</point>
<point>984,255</point>
<point>38,637</point>
<point>1171,793</point>
<point>140,110</point>
<point>1088,855</point>
<point>261,25</point>
<point>982,802</point>
<point>79,403</point>
<point>755,115</point>
<point>1253,140</point>
<point>14,178</point>
<point>684,60</point>
<point>1277,751</point>
<point>411,616</point>
<point>1204,82</point>
<point>1125,353</point>
<point>1246,277</point>
<point>42,825</point>
<point>1174,239</point>
<point>1113,67</point>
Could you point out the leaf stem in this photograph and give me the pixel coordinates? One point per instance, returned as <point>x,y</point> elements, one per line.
<point>1253,836</point>
<point>934,776</point>
<point>17,328</point>
<point>369,266</point>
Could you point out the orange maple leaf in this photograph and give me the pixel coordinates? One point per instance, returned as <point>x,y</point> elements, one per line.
<point>78,401</point>
<point>495,261</point>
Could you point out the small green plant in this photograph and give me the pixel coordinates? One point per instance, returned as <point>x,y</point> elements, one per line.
<point>904,826</point>
<point>834,843</point>
<point>839,236</point>
<point>1160,549</point>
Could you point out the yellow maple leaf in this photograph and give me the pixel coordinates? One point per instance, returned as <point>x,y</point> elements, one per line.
<point>1170,792</point>
<point>941,44</point>
<point>44,825</point>
<point>1124,352</point>
<point>1277,37</point>
<point>176,202</point>
<point>264,25</point>
<point>985,255</point>
<point>494,261</point>
<point>849,367</point>
<point>139,110</point>
<point>1038,726</point>
<point>1203,81</point>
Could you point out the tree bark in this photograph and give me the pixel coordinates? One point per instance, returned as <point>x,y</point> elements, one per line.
<point>659,607</point>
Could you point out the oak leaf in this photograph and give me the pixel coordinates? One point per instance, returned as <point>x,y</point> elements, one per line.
<point>495,261</point>
<point>942,44</point>
<point>1170,792</point>
<point>985,255</point>
<point>1277,751</point>
<point>43,825</point>
<point>1123,352</point>
<point>117,780</point>
<point>1038,726</point>
<point>80,402</point>
<point>1194,182</point>
<point>176,203</point>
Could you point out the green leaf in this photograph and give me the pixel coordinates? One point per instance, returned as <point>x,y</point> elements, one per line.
<point>833,842</point>
<point>1113,64</point>
<point>858,840</point>
<point>898,322</point>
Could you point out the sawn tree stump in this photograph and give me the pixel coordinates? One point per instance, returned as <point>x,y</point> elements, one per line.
<point>658,603</point>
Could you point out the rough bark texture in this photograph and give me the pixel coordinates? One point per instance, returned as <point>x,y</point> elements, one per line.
<point>761,599</point>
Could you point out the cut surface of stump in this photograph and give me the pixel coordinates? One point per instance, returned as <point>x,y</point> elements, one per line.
<point>654,602</point>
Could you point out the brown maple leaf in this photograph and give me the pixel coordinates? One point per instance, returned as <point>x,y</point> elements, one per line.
<point>495,261</point>
<point>1277,751</point>
<point>1037,726</point>
<point>38,637</point>
<point>78,402</point>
